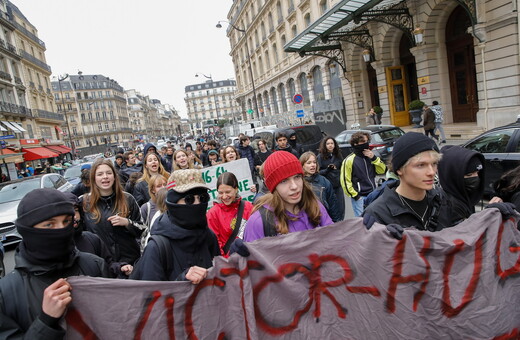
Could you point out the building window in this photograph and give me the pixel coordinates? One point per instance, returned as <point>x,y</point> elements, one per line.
<point>335,82</point>
<point>275,54</point>
<point>283,98</point>
<point>294,31</point>
<point>304,89</point>
<point>307,19</point>
<point>319,91</point>
<point>100,128</point>
<point>323,6</point>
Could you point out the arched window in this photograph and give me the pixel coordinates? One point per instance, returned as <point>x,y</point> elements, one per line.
<point>307,19</point>
<point>267,61</point>
<point>291,87</point>
<point>324,6</point>
<point>294,31</point>
<point>275,54</point>
<point>283,98</point>
<point>335,81</point>
<point>260,66</point>
<point>270,22</point>
<point>262,29</point>
<point>274,100</point>
<point>319,91</point>
<point>279,12</point>
<point>304,89</point>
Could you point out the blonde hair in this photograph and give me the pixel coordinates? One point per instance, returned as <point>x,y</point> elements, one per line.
<point>434,154</point>
<point>190,162</point>
<point>146,173</point>
<point>160,200</point>
<point>151,185</point>
<point>306,156</point>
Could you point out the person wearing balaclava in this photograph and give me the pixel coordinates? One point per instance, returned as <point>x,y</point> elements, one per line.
<point>89,242</point>
<point>192,245</point>
<point>359,170</point>
<point>35,295</point>
<point>461,175</point>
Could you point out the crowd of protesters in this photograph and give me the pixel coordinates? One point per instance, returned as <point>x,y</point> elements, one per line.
<point>146,216</point>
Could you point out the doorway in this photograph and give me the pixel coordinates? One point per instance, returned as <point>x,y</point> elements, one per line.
<point>398,95</point>
<point>461,64</point>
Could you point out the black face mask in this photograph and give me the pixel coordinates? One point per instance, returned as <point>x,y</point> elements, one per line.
<point>186,216</point>
<point>47,246</point>
<point>471,184</point>
<point>358,149</point>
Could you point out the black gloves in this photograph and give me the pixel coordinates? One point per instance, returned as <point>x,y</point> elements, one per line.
<point>507,209</point>
<point>395,230</point>
<point>238,246</point>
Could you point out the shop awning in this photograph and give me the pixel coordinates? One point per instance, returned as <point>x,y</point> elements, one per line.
<point>18,126</point>
<point>9,156</point>
<point>345,16</point>
<point>13,127</point>
<point>32,154</point>
<point>59,148</point>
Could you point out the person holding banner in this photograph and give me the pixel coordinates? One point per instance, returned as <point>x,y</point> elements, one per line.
<point>181,246</point>
<point>228,217</point>
<point>412,201</point>
<point>291,206</point>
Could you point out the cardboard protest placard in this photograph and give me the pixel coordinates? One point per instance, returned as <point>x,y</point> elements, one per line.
<point>336,282</point>
<point>240,168</point>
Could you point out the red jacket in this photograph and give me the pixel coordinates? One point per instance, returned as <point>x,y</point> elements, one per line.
<point>220,217</point>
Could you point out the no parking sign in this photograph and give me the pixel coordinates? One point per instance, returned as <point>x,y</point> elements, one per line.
<point>297,99</point>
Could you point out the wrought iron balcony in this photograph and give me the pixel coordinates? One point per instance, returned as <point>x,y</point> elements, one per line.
<point>6,20</point>
<point>16,109</point>
<point>18,81</point>
<point>5,76</point>
<point>29,34</point>
<point>42,114</point>
<point>10,48</point>
<point>35,61</point>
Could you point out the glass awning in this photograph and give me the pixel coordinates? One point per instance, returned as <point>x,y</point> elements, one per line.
<point>343,17</point>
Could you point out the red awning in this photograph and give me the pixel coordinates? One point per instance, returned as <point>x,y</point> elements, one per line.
<point>32,154</point>
<point>58,148</point>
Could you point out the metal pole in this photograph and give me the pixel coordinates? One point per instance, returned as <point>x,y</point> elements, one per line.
<point>72,145</point>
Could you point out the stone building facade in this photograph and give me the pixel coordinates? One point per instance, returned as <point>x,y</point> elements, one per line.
<point>467,59</point>
<point>211,101</point>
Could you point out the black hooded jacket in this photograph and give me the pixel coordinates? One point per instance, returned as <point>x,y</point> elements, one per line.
<point>190,247</point>
<point>21,294</point>
<point>452,168</point>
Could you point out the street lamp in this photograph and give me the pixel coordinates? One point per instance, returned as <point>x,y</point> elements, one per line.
<point>248,59</point>
<point>214,96</point>
<point>72,145</point>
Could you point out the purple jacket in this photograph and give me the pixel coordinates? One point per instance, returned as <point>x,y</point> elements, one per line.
<point>255,229</point>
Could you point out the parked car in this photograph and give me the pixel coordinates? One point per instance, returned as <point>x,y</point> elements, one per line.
<point>382,140</point>
<point>12,192</point>
<point>73,173</point>
<point>501,149</point>
<point>309,136</point>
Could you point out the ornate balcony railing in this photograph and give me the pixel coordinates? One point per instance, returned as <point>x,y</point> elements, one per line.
<point>35,61</point>
<point>48,115</point>
<point>13,108</point>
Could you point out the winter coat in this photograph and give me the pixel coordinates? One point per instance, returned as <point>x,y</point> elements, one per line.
<point>331,174</point>
<point>255,227</point>
<point>428,120</point>
<point>260,157</point>
<point>358,174</point>
<point>124,174</point>
<point>189,247</point>
<point>288,149</point>
<point>121,241</point>
<point>388,208</point>
<point>220,218</point>
<point>21,295</point>
<point>248,153</point>
<point>168,159</point>
<point>141,193</point>
<point>325,193</point>
<point>451,170</point>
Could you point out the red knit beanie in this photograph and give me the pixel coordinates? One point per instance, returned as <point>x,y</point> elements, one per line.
<point>279,166</point>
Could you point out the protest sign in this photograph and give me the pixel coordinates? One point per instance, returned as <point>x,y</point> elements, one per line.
<point>240,168</point>
<point>335,282</point>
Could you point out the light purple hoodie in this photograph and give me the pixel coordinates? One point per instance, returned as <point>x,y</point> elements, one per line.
<point>255,228</point>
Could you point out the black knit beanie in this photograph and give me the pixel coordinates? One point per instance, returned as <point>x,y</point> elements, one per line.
<point>409,145</point>
<point>42,204</point>
<point>474,164</point>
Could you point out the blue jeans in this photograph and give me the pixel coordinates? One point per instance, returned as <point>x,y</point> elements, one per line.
<point>357,206</point>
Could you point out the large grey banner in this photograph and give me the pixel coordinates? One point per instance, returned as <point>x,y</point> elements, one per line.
<point>335,282</point>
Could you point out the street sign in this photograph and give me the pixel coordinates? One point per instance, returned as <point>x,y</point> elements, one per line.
<point>299,110</point>
<point>250,111</point>
<point>7,137</point>
<point>298,99</point>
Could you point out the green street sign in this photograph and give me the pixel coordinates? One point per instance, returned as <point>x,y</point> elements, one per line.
<point>250,111</point>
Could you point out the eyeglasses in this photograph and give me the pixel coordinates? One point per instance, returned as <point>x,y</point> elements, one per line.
<point>190,199</point>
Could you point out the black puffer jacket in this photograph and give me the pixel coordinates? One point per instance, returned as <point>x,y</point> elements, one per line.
<point>451,176</point>
<point>189,247</point>
<point>331,174</point>
<point>21,295</point>
<point>141,193</point>
<point>388,209</point>
<point>121,241</point>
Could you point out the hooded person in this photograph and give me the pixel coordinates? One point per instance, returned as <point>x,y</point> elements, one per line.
<point>461,175</point>
<point>35,295</point>
<point>293,141</point>
<point>181,236</point>
<point>89,242</point>
<point>149,147</point>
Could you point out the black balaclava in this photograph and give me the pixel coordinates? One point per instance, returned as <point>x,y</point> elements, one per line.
<point>358,149</point>
<point>187,216</point>
<point>45,246</point>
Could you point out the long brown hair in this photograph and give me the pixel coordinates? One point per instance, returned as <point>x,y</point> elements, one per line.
<point>146,173</point>
<point>308,203</point>
<point>323,148</point>
<point>305,157</point>
<point>174,160</point>
<point>234,149</point>
<point>160,200</point>
<point>90,204</point>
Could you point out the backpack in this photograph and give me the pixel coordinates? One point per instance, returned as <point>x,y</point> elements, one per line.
<point>165,253</point>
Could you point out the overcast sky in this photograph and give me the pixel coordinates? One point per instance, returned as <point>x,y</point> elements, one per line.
<point>153,46</point>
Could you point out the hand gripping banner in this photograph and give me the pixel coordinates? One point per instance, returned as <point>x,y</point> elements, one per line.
<point>335,282</point>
